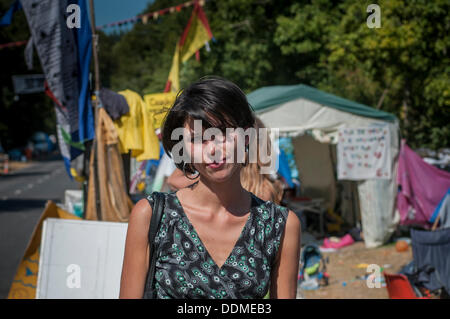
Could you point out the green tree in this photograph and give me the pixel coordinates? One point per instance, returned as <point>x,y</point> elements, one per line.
<point>20,116</point>
<point>402,67</point>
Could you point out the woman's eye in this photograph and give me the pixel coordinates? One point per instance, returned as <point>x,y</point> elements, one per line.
<point>206,139</point>
<point>196,139</point>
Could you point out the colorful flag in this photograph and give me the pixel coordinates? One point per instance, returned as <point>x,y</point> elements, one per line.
<point>64,54</point>
<point>195,36</point>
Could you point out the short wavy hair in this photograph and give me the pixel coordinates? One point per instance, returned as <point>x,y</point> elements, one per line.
<point>214,100</point>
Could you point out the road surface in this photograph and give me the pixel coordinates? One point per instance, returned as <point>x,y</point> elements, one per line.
<point>23,195</point>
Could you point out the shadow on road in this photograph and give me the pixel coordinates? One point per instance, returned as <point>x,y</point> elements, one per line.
<point>20,174</point>
<point>23,204</point>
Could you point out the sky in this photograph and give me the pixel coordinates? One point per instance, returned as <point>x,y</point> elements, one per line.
<point>107,11</point>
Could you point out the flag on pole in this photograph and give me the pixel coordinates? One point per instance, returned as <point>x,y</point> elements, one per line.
<point>194,37</point>
<point>64,54</point>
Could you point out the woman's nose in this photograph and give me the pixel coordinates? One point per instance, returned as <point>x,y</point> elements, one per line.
<point>214,146</point>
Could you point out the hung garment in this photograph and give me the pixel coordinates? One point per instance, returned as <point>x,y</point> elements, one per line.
<point>135,129</point>
<point>185,270</point>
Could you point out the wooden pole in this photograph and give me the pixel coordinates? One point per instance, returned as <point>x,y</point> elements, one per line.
<point>95,105</point>
<point>94,47</point>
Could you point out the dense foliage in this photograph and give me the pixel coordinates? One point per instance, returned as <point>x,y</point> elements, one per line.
<point>20,116</point>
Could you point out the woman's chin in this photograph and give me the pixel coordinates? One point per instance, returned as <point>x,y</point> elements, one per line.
<point>218,175</point>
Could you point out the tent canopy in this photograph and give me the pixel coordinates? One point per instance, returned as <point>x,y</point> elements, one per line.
<point>266,97</point>
<point>312,118</point>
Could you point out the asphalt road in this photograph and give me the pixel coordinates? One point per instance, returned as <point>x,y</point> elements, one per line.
<point>23,195</point>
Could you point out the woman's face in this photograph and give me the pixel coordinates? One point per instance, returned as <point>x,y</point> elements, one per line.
<point>213,153</point>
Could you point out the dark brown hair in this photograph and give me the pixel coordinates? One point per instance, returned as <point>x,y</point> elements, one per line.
<point>216,101</point>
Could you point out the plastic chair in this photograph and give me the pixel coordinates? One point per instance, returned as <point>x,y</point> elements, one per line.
<point>398,287</point>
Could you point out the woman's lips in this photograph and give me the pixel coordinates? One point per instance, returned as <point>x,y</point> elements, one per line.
<point>216,165</point>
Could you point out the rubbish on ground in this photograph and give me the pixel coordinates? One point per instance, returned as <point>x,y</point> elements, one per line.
<point>327,250</point>
<point>344,241</point>
<point>401,246</point>
<point>408,240</point>
<point>310,284</point>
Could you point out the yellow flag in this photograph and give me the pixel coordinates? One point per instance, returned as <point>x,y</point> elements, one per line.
<point>194,37</point>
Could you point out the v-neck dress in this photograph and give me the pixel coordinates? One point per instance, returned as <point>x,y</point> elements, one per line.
<point>185,269</point>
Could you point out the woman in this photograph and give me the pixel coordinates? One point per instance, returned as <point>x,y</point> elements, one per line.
<point>216,240</point>
<point>264,186</point>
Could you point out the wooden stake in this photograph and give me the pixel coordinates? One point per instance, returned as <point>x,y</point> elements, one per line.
<point>95,105</point>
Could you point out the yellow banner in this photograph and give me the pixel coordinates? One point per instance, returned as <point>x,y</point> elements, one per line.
<point>158,104</point>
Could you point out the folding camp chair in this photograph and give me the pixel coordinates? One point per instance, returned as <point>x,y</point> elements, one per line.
<point>398,287</point>
<point>431,253</point>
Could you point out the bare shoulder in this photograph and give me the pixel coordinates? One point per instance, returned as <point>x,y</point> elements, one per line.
<point>140,215</point>
<point>293,222</point>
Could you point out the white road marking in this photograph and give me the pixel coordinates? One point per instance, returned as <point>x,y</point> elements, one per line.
<point>4,198</point>
<point>17,192</point>
<point>30,186</point>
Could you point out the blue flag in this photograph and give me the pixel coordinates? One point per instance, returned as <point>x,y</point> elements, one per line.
<point>84,45</point>
<point>7,17</point>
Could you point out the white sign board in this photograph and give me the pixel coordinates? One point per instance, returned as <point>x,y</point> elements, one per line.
<point>364,153</point>
<point>80,259</point>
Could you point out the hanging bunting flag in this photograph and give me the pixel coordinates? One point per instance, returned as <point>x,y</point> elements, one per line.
<point>194,36</point>
<point>13,44</point>
<point>144,18</point>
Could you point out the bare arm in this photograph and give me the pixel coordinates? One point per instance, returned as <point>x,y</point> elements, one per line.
<point>285,272</point>
<point>136,257</point>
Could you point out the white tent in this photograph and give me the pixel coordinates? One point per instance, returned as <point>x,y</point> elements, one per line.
<point>312,118</point>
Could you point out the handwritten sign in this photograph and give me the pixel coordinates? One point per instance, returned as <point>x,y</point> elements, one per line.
<point>158,104</point>
<point>364,153</point>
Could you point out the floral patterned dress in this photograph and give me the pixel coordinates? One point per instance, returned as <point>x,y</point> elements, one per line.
<point>185,269</point>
